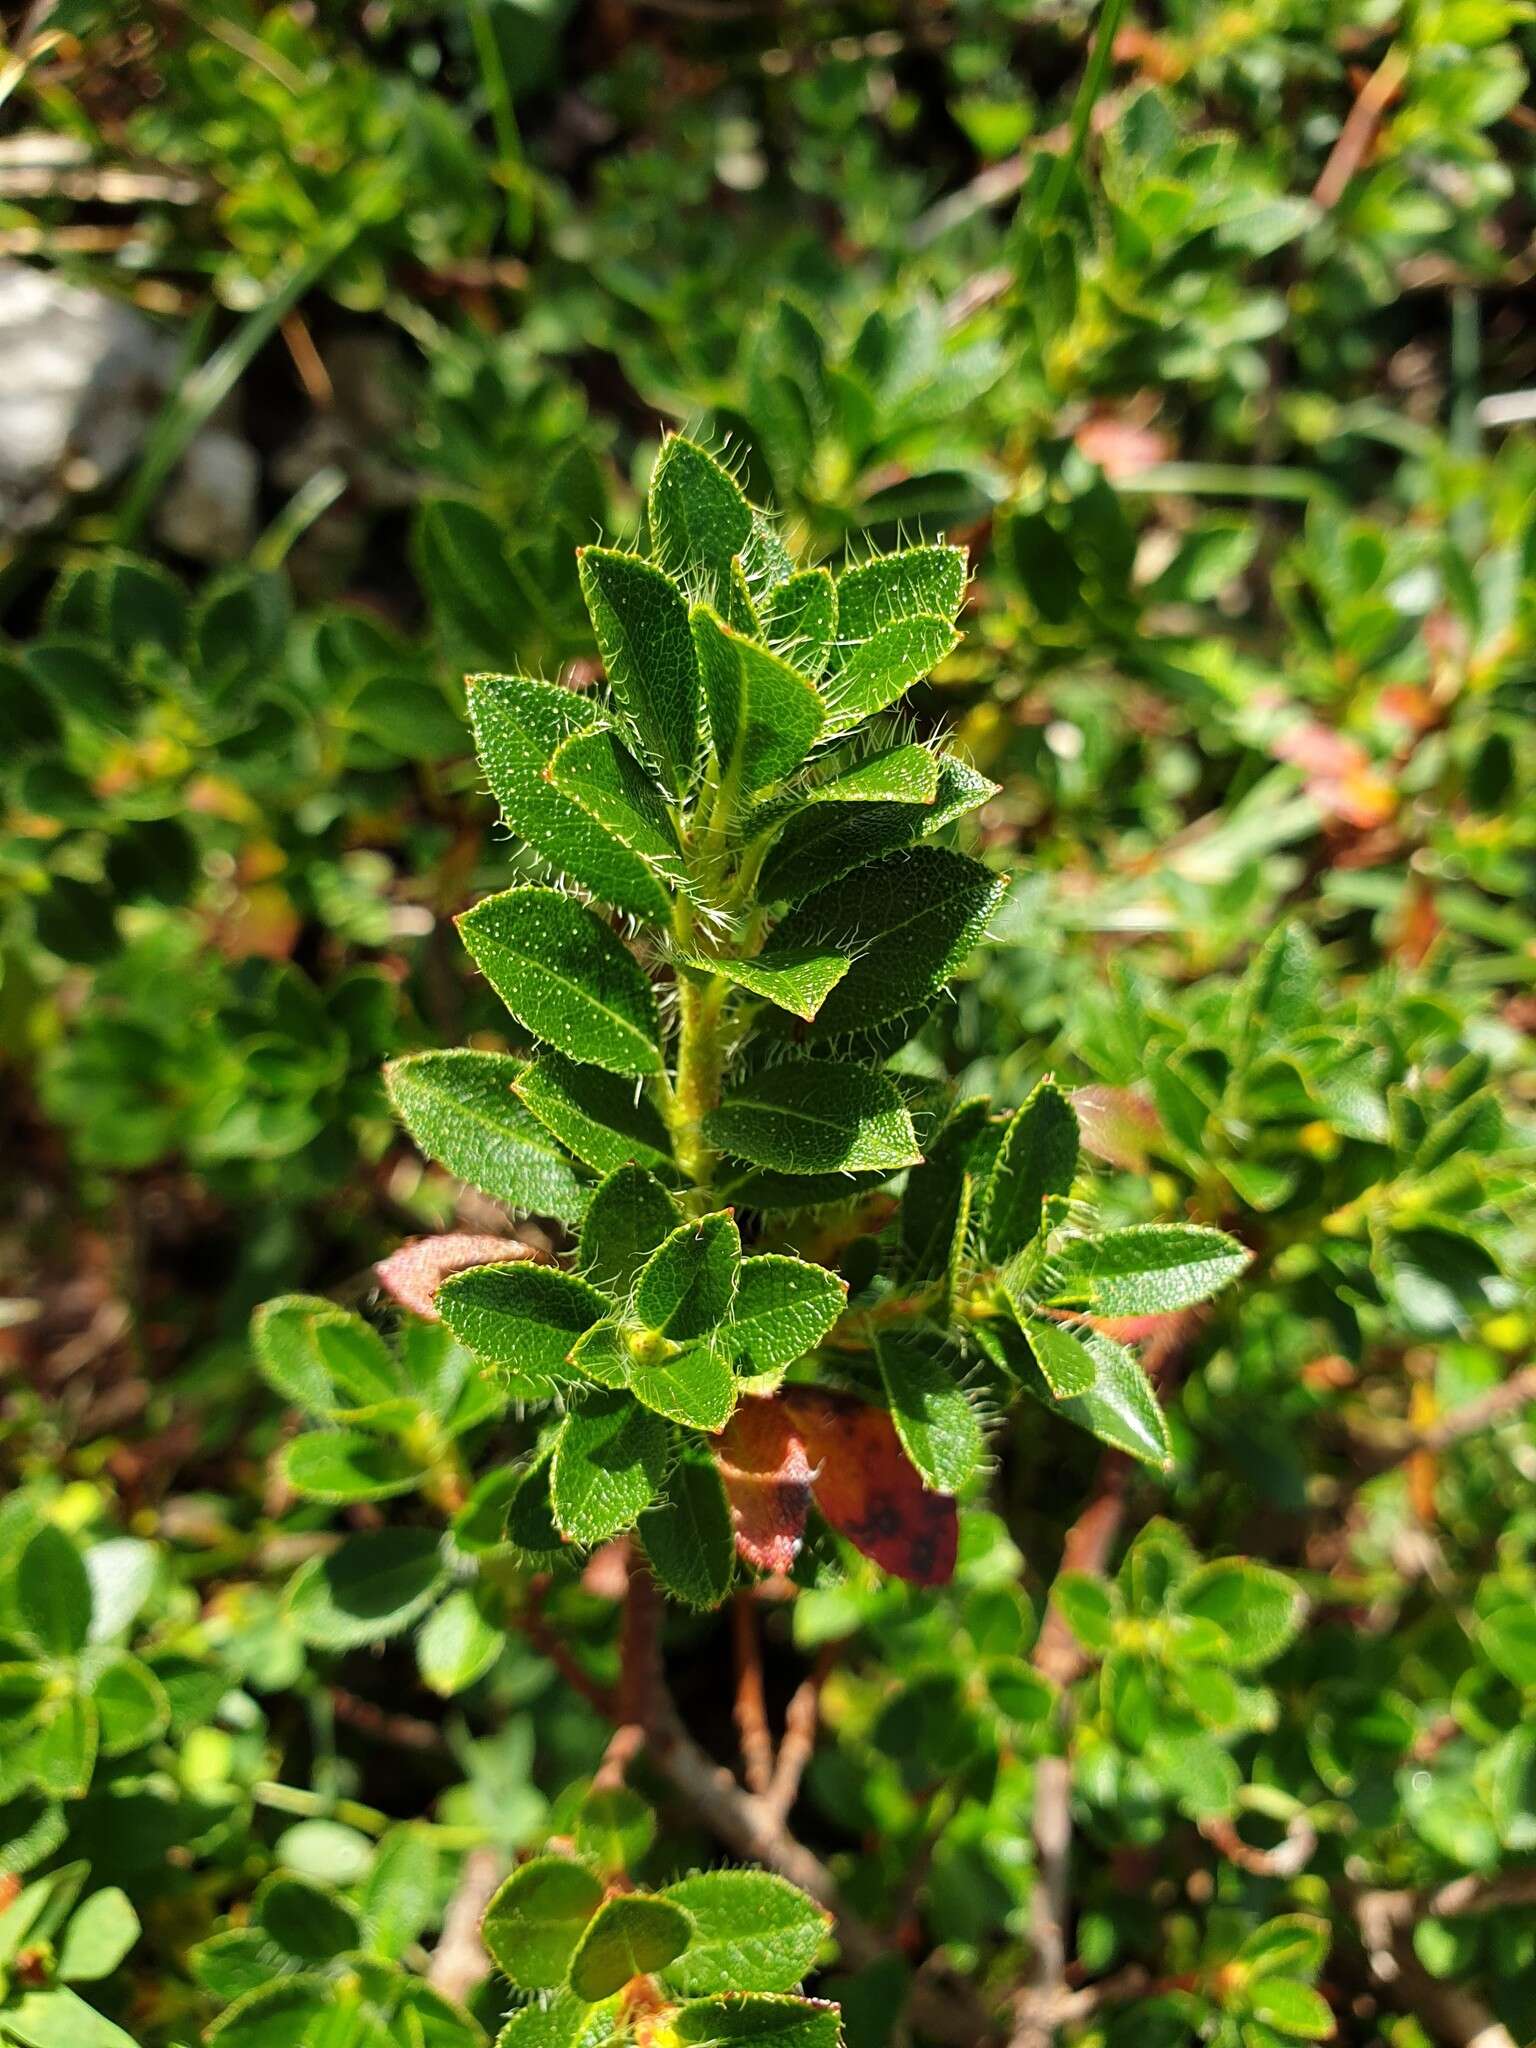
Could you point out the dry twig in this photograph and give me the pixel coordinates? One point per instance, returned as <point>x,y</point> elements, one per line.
<point>751,1708</point>
<point>459,1962</point>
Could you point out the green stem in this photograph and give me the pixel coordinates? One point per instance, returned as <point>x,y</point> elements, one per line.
<point>700,1063</point>
<point>1082,111</point>
<point>512,169</point>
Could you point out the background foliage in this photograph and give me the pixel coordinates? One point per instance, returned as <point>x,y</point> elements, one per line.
<point>1196,327</point>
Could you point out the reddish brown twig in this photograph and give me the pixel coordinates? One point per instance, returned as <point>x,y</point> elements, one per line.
<point>798,1743</point>
<point>1359,130</point>
<point>1287,1859</point>
<point>403,1731</point>
<point>530,1619</point>
<point>751,1708</point>
<point>639,1672</point>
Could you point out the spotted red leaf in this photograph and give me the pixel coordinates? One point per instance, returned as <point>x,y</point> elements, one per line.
<point>767,1477</point>
<point>870,1491</point>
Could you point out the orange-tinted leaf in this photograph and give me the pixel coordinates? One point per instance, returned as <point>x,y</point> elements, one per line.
<point>1117,1124</point>
<point>415,1272</point>
<point>870,1491</point>
<point>767,1476</point>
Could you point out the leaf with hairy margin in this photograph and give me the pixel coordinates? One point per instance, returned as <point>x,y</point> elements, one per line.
<point>518,724</point>
<point>460,1108</point>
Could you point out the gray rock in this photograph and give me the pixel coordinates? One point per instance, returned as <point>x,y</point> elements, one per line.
<point>81,378</point>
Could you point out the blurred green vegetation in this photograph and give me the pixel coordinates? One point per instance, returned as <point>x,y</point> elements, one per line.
<point>1203,328</point>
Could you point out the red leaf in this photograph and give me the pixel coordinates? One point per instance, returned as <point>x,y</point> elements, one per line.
<point>1117,1124</point>
<point>870,1491</point>
<point>415,1272</point>
<point>767,1477</point>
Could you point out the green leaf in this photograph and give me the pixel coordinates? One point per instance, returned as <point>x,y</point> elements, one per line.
<point>688,1537</point>
<point>764,713</point>
<point>602,1354</point>
<point>60,1754</point>
<point>518,725</point>
<point>1294,2008</point>
<point>1148,1268</point>
<point>398,1899</point>
<point>906,776</point>
<point>595,1114</point>
<point>752,1932</point>
<point>908,921</point>
<point>630,1935</point>
<point>1037,1158</point>
<point>53,1593</point>
<point>301,2008</point>
<point>563,2021</point>
<point>58,2019</point>
<point>131,1703</point>
<point>699,518</point>
<point>799,985</point>
<point>1066,1364</point>
<point>456,1645</point>
<point>642,632</point>
<point>816,1116</point>
<point>461,558</point>
<point>799,618</point>
<point>932,1204</point>
<point>460,1108</point>
<point>31,1829</point>
<point>372,1587</point>
<point>936,1423</point>
<point>1292,1944</point>
<point>879,671</point>
<point>1279,995</point>
<point>609,1464</point>
<point>695,1387</point>
<point>1258,1610</point>
<point>535,1920</point>
<point>824,842</point>
<point>347,1465</point>
<point>614,1827</point>
<point>594,769</point>
<point>1018,1692</point>
<point>783,1309</point>
<point>523,1318</point>
<point>688,1284</point>
<point>961,789</point>
<point>890,587</point>
<point>530,1521</point>
<point>1120,1407</point>
<point>307,1919</point>
<point>726,2020</point>
<point>630,1215</point>
<point>566,976</point>
<point>1508,1639</point>
<point>1089,1607</point>
<point>324,1358</point>
<point>99,1934</point>
<point>826,839</point>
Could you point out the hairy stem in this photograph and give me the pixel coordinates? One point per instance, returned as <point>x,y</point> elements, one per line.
<point>700,1062</point>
